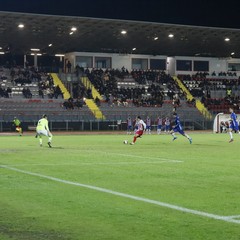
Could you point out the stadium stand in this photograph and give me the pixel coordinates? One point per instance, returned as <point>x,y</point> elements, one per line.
<point>117,94</point>
<point>217,92</point>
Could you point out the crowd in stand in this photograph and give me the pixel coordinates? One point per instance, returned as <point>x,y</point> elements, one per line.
<point>149,92</point>
<point>203,84</point>
<point>151,89</point>
<point>26,92</point>
<point>46,87</point>
<point>26,76</point>
<point>73,103</point>
<point>202,75</point>
<point>5,93</point>
<point>146,76</point>
<point>79,91</point>
<point>223,103</point>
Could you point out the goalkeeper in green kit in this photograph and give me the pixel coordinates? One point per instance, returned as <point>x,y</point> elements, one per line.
<point>17,125</point>
<point>43,129</point>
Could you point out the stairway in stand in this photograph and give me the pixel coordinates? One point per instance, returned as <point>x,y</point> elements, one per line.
<point>90,102</point>
<point>189,96</point>
<point>95,109</point>
<point>57,81</point>
<point>86,82</point>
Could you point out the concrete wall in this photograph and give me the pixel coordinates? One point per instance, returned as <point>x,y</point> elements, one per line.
<point>125,60</point>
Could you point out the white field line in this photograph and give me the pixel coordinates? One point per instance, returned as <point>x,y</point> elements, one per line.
<point>135,156</point>
<point>234,216</point>
<point>159,160</point>
<point>146,200</point>
<point>87,163</point>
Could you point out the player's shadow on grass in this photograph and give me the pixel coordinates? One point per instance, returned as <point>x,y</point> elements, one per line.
<point>57,147</point>
<point>205,144</point>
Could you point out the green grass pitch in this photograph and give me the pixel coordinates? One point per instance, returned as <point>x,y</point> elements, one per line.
<point>94,187</point>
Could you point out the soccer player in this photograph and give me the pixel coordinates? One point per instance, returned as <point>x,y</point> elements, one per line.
<point>159,125</point>
<point>167,124</point>
<point>17,124</point>
<point>223,127</point>
<point>233,124</point>
<point>148,127</point>
<point>178,128</point>
<point>43,129</point>
<point>141,126</point>
<point>129,125</point>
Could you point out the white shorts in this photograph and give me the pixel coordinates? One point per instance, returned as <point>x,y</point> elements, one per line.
<point>44,132</point>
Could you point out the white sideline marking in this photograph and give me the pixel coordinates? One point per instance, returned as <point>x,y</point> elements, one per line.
<point>162,204</point>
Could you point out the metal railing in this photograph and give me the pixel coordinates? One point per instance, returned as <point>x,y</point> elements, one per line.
<point>98,125</point>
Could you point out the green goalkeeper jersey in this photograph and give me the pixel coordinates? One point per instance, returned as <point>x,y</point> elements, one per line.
<point>42,124</point>
<point>16,122</point>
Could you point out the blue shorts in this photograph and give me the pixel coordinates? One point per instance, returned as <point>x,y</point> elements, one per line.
<point>129,128</point>
<point>234,127</point>
<point>148,128</point>
<point>178,129</point>
<point>159,127</point>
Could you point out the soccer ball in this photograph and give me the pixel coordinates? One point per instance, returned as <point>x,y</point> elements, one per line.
<point>125,141</point>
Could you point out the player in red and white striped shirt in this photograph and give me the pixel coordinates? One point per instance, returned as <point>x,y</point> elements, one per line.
<point>141,126</point>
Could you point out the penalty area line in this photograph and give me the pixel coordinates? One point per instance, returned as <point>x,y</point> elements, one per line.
<point>232,217</point>
<point>229,219</point>
<point>87,163</point>
<point>136,156</point>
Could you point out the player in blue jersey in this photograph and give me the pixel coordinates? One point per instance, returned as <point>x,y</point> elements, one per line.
<point>148,125</point>
<point>167,125</point>
<point>129,125</point>
<point>178,128</point>
<point>233,124</point>
<point>159,125</point>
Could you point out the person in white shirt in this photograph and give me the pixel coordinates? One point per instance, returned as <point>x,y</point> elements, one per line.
<point>141,126</point>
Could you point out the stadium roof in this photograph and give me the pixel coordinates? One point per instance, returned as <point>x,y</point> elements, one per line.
<point>54,34</point>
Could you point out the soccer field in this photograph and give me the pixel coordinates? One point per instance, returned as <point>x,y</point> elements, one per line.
<point>94,187</point>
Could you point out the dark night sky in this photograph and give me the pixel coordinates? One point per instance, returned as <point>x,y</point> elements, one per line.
<point>195,12</point>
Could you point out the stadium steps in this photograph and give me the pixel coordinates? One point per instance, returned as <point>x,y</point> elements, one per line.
<point>32,109</point>
<point>57,81</point>
<point>95,109</point>
<point>122,113</point>
<point>86,82</point>
<point>202,109</point>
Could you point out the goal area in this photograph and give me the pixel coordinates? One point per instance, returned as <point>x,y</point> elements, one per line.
<point>220,117</point>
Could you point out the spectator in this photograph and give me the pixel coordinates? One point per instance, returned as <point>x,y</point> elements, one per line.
<point>9,92</point>
<point>26,92</point>
<point>40,93</point>
<point>97,101</point>
<point>69,67</point>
